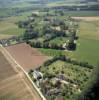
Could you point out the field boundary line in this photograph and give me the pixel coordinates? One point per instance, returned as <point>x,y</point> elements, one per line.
<point>33,84</point>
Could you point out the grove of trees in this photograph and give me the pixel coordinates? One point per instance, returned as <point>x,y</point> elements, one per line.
<point>91,91</point>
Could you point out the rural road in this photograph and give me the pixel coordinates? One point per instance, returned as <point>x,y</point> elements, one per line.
<point>37,95</point>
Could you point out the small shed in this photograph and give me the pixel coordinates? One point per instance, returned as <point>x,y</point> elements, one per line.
<point>37,75</point>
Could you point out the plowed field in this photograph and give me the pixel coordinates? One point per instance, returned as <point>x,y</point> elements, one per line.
<point>27,57</point>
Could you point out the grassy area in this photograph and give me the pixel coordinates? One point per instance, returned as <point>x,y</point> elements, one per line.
<point>89,30</point>
<point>13,31</point>
<point>52,52</point>
<point>82,13</point>
<point>87,50</point>
<point>8,25</point>
<point>87,46</point>
<point>59,40</point>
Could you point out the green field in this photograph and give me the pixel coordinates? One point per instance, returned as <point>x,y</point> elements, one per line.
<point>82,13</point>
<point>87,46</point>
<point>8,25</point>
<point>59,40</point>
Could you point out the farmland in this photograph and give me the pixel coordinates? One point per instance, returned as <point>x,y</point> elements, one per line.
<point>87,48</point>
<point>4,68</point>
<point>55,42</point>
<point>9,27</point>
<point>26,56</point>
<point>13,82</point>
<point>16,89</point>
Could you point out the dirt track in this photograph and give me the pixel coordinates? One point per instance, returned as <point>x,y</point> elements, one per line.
<point>87,18</point>
<point>27,57</point>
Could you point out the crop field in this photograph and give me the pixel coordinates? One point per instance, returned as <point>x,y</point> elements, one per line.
<point>88,42</point>
<point>10,81</point>
<point>13,85</point>
<point>89,30</point>
<point>26,56</point>
<point>6,69</point>
<point>8,26</point>
<point>87,18</point>
<point>82,13</point>
<point>14,88</point>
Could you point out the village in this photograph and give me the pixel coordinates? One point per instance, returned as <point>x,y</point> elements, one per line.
<point>54,76</point>
<point>47,32</point>
<point>46,49</point>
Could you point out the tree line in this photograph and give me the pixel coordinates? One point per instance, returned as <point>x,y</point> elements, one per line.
<point>68,60</point>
